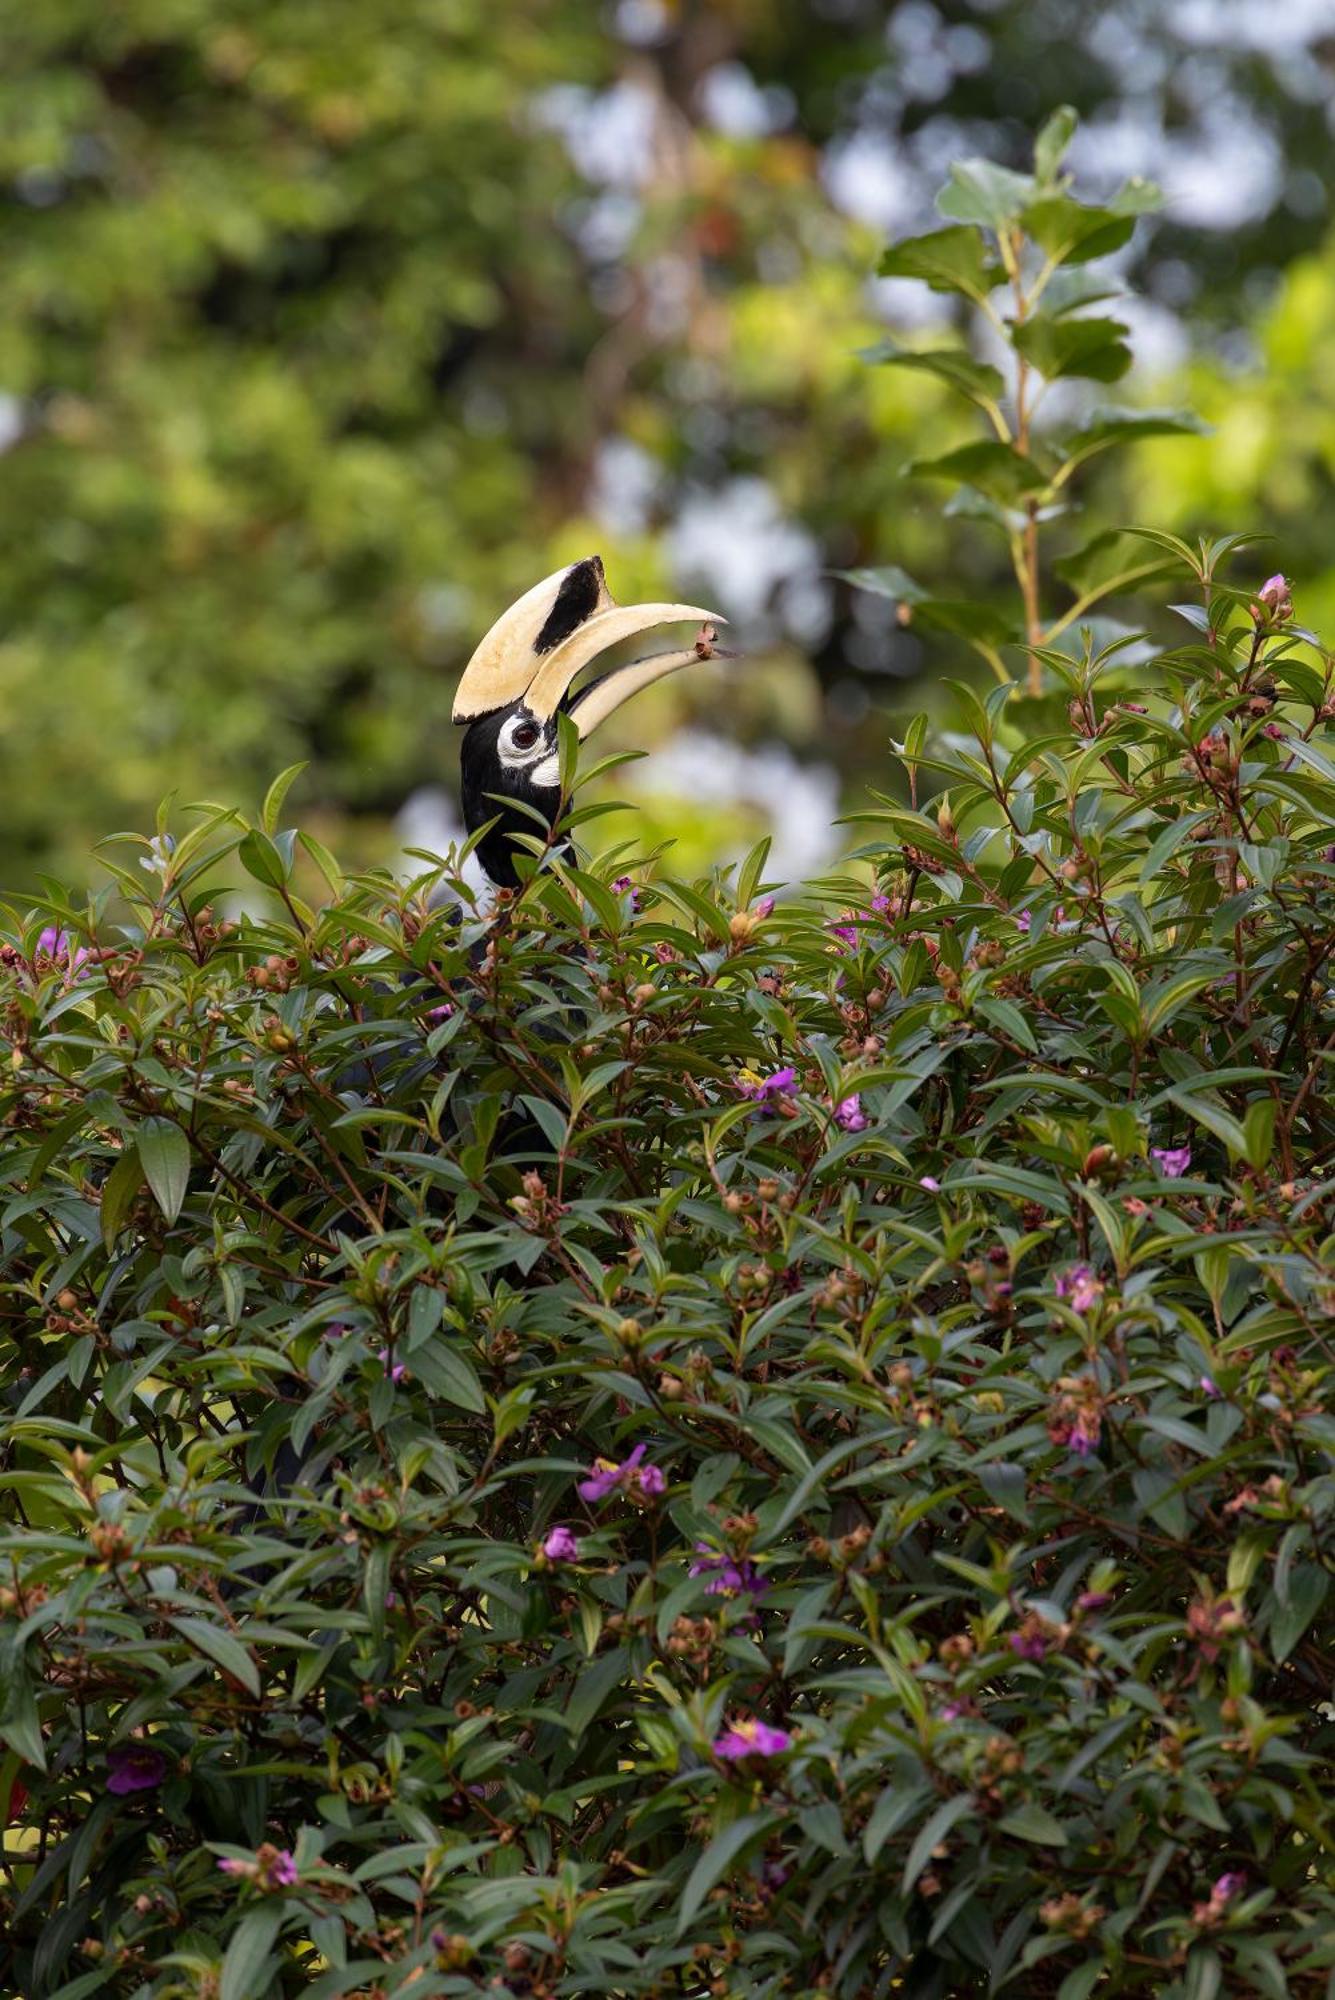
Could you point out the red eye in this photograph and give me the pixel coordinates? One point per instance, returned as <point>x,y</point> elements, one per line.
<point>524,735</point>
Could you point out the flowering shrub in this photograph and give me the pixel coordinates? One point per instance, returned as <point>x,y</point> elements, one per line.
<point>659,1442</point>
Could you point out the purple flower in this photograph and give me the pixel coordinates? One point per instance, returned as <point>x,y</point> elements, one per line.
<point>561,1546</point>
<point>850,1114</point>
<point>134,1767</point>
<point>441,1013</point>
<point>1029,1645</point>
<point>625,886</point>
<point>763,1089</point>
<point>396,1370</point>
<point>1080,1286</point>
<point>1023,921</point>
<point>1084,1438</point>
<point>272,1868</point>
<point>764,908</point>
<point>749,1738</point>
<point>1276,602</point>
<point>1228,1886</point>
<point>1210,1387</point>
<point>728,1576</point>
<point>606,1475</point>
<point>1093,1600</point>
<point>930,1182</point>
<point>55,945</point>
<point>847,930</point>
<point>1172,1161</point>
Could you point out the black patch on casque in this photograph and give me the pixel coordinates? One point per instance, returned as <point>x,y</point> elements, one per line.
<point>576,600</point>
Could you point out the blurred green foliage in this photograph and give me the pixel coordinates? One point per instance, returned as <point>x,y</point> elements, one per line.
<point>316,321</point>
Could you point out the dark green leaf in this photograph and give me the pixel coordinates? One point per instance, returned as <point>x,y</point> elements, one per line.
<point>246,1966</point>
<point>717,1858</point>
<point>1093,349</point>
<point>996,469</point>
<point>952,365</point>
<point>260,858</point>
<point>947,260</point>
<point>164,1154</point>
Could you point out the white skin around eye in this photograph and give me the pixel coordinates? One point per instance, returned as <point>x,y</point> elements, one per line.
<point>521,743</point>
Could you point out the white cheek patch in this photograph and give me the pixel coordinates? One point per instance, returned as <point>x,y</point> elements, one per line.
<point>514,756</point>
<point>547,775</point>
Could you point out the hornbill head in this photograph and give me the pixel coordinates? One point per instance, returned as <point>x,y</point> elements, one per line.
<point>518,682</point>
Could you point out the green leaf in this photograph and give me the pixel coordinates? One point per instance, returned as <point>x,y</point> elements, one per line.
<point>262,860</point>
<point>723,1850</point>
<point>277,792</point>
<point>1165,845</point>
<point>1105,428</point>
<point>1054,137</point>
<point>996,469</point>
<point>1258,1131</point>
<point>1007,1486</point>
<point>245,1968</point>
<point>895,1808</point>
<point>952,365</point>
<point>595,1684</point>
<point>1072,232</point>
<point>567,750</point>
<point>946,260</point>
<point>1161,1005</point>
<point>21,1728</point>
<point>1007,1019</point>
<point>981,192</point>
<point>324,861</point>
<point>969,619</point>
<point>1111,560</point>
<point>932,1834</point>
<point>1214,1119</point>
<point>221,1647</point>
<point>119,1189</point>
<point>1034,1822</point>
<point>1078,1985</point>
<point>1094,350</point>
<point>1205,1974</point>
<point>443,1367</point>
<point>164,1154</point>
<point>1291,1617</point>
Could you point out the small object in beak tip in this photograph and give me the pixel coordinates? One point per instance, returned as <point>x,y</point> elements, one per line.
<point>708,648</point>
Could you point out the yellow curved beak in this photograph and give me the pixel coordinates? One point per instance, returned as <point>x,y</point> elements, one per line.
<point>535,649</point>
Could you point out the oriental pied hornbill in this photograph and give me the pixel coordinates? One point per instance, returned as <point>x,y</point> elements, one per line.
<point>518,682</point>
